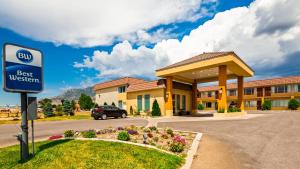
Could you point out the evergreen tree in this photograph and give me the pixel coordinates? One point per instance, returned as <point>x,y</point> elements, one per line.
<point>113,104</point>
<point>67,107</point>
<point>105,104</point>
<point>155,109</point>
<point>85,102</point>
<point>48,110</point>
<point>44,102</point>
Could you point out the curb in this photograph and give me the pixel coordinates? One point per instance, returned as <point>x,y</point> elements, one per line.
<point>191,153</point>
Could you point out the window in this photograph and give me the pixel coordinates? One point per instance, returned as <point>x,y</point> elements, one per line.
<point>120,104</point>
<point>208,94</point>
<point>249,91</point>
<point>183,102</point>
<point>122,89</point>
<point>178,102</point>
<point>281,89</point>
<point>298,87</point>
<point>232,92</point>
<point>280,103</point>
<point>147,102</point>
<point>208,105</point>
<point>139,103</point>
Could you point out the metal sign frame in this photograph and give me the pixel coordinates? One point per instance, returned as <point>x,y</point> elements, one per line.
<point>4,70</point>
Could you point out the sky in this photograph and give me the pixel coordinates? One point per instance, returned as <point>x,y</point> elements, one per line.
<point>87,43</point>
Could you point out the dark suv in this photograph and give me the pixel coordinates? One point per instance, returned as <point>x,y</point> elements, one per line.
<point>108,111</point>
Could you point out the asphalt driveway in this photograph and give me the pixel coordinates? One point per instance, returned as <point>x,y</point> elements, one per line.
<point>267,142</point>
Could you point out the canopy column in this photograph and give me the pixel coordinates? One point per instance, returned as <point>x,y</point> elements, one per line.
<point>240,81</point>
<point>222,101</point>
<point>194,97</point>
<point>169,94</point>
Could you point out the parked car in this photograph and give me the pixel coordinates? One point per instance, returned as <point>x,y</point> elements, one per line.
<point>102,112</point>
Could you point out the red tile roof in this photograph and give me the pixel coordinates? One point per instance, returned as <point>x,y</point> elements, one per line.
<point>202,57</point>
<point>257,83</point>
<point>118,82</point>
<point>145,86</point>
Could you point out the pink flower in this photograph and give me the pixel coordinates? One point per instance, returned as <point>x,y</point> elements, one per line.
<point>179,139</point>
<point>55,137</point>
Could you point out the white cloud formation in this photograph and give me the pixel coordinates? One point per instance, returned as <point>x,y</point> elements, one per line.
<point>263,34</point>
<point>95,22</point>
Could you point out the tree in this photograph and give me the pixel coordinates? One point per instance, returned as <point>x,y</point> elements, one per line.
<point>48,110</point>
<point>155,109</point>
<point>105,104</point>
<point>73,103</point>
<point>131,110</point>
<point>113,104</point>
<point>293,104</point>
<point>85,102</point>
<point>67,107</point>
<point>200,107</point>
<point>267,105</point>
<point>44,102</point>
<point>59,110</point>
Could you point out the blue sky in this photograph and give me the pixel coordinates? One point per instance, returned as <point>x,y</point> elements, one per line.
<point>80,50</point>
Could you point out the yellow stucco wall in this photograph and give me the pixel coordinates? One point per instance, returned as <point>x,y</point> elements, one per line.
<point>107,95</point>
<point>157,94</point>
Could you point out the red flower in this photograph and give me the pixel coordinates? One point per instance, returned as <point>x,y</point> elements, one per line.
<point>55,137</point>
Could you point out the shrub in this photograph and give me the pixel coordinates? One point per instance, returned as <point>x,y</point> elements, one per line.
<point>170,132</point>
<point>120,128</point>
<point>267,105</point>
<point>155,139</point>
<point>69,133</point>
<point>176,147</point>
<point>147,130</point>
<point>200,107</point>
<point>293,104</point>
<point>221,111</point>
<point>152,128</point>
<point>179,139</point>
<point>89,134</point>
<point>85,102</point>
<point>234,109</point>
<point>150,135</point>
<point>124,136</point>
<point>132,132</point>
<point>155,109</point>
<point>105,104</point>
<point>113,104</point>
<point>131,110</point>
<point>164,136</point>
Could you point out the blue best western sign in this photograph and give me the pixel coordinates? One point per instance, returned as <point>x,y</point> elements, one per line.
<point>22,69</point>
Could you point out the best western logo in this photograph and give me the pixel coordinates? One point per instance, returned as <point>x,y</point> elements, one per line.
<point>24,56</point>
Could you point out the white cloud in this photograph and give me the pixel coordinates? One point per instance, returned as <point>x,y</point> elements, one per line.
<point>94,22</point>
<point>260,34</point>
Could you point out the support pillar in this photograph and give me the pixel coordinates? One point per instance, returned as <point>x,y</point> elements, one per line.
<point>169,94</point>
<point>194,97</point>
<point>240,86</point>
<point>222,101</point>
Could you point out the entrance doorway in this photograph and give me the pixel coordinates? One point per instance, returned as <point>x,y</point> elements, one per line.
<point>258,104</point>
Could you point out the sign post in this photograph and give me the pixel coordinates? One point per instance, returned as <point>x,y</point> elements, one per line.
<point>32,115</point>
<point>22,73</point>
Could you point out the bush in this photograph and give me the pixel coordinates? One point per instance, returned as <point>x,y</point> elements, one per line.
<point>267,105</point>
<point>155,109</point>
<point>164,136</point>
<point>85,102</point>
<point>69,133</point>
<point>150,135</point>
<point>124,136</point>
<point>152,128</point>
<point>221,111</point>
<point>89,134</point>
<point>155,139</point>
<point>113,104</point>
<point>200,107</point>
<point>170,132</point>
<point>132,132</point>
<point>293,104</point>
<point>176,147</point>
<point>147,130</point>
<point>234,109</point>
<point>105,104</point>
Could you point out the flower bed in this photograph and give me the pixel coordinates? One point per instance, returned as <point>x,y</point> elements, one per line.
<point>163,138</point>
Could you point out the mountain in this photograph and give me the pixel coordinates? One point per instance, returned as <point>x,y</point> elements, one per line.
<point>74,94</point>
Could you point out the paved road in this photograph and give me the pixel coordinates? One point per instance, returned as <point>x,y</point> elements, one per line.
<point>267,142</point>
<point>46,129</point>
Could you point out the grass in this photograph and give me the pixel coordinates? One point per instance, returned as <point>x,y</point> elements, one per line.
<point>55,118</point>
<point>89,154</point>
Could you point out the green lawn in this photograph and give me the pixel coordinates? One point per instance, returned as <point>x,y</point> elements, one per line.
<point>55,118</point>
<point>89,154</point>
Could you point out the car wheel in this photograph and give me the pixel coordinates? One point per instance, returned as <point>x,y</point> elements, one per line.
<point>96,118</point>
<point>123,115</point>
<point>103,116</point>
